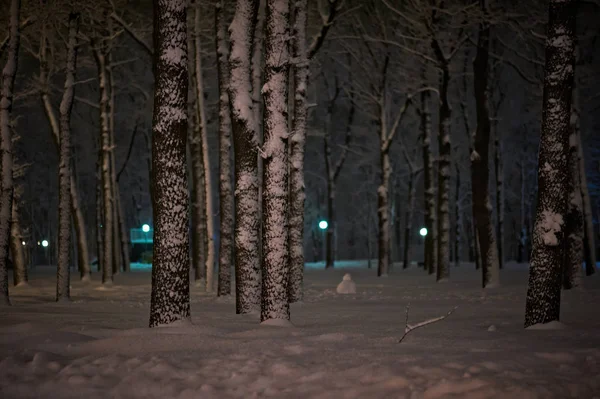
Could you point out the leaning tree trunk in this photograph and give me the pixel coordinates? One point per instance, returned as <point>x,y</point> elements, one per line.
<point>297,147</point>
<point>225,184</point>
<point>480,163</point>
<point>545,277</point>
<point>445,157</point>
<point>412,193</point>
<point>83,256</point>
<point>6,162</point>
<point>430,218</point>
<point>247,272</point>
<point>274,298</point>
<point>107,200</point>
<point>574,226</point>
<point>170,299</point>
<point>20,277</point>
<point>201,109</point>
<point>63,292</point>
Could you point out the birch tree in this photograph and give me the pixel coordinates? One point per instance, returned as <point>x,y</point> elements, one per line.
<point>545,277</point>
<point>274,298</point>
<point>429,183</point>
<point>20,274</point>
<point>225,184</point>
<point>9,73</point>
<point>170,299</point>
<point>64,165</point>
<point>244,129</point>
<point>480,160</point>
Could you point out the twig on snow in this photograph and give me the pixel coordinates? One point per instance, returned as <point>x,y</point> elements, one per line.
<point>412,327</point>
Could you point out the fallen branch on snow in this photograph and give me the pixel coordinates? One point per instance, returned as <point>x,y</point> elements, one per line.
<point>413,327</point>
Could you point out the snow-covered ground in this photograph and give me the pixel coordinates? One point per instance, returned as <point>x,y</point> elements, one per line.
<point>342,346</point>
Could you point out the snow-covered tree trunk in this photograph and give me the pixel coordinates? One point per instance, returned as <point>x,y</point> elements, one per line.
<point>64,166</point>
<point>429,188</point>
<point>244,128</point>
<point>105,153</point>
<point>20,276</point>
<point>499,172</point>
<point>83,256</point>
<point>383,212</point>
<point>458,219</point>
<point>225,184</point>
<point>445,158</point>
<point>482,207</point>
<point>9,72</point>
<point>170,300</point>
<point>297,145</point>
<point>412,194</point>
<point>545,277</point>
<point>574,226</point>
<point>208,187</point>
<point>275,278</point>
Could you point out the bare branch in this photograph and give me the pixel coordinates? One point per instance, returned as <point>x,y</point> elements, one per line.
<point>133,34</point>
<point>413,327</point>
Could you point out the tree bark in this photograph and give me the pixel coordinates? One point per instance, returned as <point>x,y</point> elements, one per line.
<point>225,184</point>
<point>430,218</point>
<point>297,146</point>
<point>499,171</point>
<point>244,127</point>
<point>412,193</point>
<point>170,298</point>
<point>99,211</point>
<point>274,299</point>
<point>123,234</point>
<point>208,187</point>
<point>458,219</point>
<point>6,162</point>
<point>482,207</point>
<point>20,275</point>
<point>545,277</point>
<point>63,278</point>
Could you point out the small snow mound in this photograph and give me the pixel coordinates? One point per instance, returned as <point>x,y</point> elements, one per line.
<point>347,286</point>
<point>553,325</point>
<point>330,337</point>
<point>22,284</point>
<point>492,328</point>
<point>277,323</point>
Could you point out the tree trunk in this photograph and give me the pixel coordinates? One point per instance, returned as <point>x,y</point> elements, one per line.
<point>20,277</point>
<point>63,270</point>
<point>398,224</point>
<point>99,212</point>
<point>430,219</point>
<point>225,184</point>
<point>274,299</point>
<point>123,236</point>
<point>170,299</point>
<point>210,221</point>
<point>412,191</point>
<point>458,221</point>
<point>107,200</point>
<point>297,145</point>
<point>574,232</point>
<point>383,212</point>
<point>445,158</point>
<point>6,163</point>
<point>545,277</point>
<point>247,271</point>
<point>499,171</point>
<point>482,207</point>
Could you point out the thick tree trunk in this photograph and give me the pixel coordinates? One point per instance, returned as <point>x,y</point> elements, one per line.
<point>429,206</point>
<point>6,162</point>
<point>574,226</point>
<point>545,277</point>
<point>225,184</point>
<point>208,187</point>
<point>412,193</point>
<point>63,269</point>
<point>274,299</point>
<point>20,276</point>
<point>170,299</point>
<point>247,271</point>
<point>445,157</point>
<point>383,213</point>
<point>297,146</point>
<point>106,149</point>
<point>482,207</point>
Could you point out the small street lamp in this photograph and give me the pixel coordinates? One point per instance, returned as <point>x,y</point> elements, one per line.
<point>423,232</point>
<point>323,224</point>
<point>145,228</point>
<point>45,243</point>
